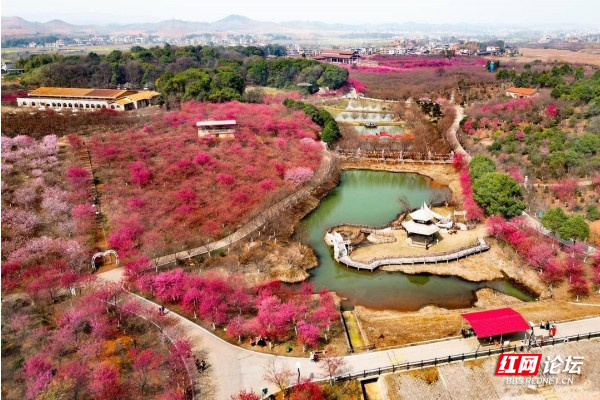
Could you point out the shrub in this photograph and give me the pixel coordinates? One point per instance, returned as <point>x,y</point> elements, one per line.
<point>499,194</point>
<point>574,228</point>
<point>481,165</point>
<point>554,219</point>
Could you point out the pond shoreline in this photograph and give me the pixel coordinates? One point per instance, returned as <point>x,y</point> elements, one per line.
<point>442,175</point>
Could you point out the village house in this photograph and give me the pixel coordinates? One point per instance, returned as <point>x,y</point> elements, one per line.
<point>217,129</point>
<point>338,56</point>
<point>516,92</point>
<point>88,99</point>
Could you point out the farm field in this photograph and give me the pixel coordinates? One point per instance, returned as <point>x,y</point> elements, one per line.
<point>586,56</point>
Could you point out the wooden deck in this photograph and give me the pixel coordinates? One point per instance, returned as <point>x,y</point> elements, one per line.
<point>480,247</point>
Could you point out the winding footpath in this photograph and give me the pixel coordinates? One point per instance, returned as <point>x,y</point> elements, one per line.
<point>233,368</point>
<point>452,133</point>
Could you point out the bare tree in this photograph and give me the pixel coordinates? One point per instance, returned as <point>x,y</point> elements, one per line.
<point>331,366</point>
<point>280,377</point>
<point>404,204</point>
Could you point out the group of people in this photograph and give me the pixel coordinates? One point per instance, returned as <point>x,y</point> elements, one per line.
<point>550,327</point>
<point>200,365</point>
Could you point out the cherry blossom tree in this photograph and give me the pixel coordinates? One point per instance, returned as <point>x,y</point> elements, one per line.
<point>105,383</point>
<point>38,374</point>
<point>307,390</point>
<point>140,175</point>
<point>331,366</point>
<point>298,175</point>
<point>579,287</point>
<point>78,177</point>
<point>308,335</point>
<point>281,377</point>
<point>144,363</point>
<point>237,327</point>
<point>245,395</point>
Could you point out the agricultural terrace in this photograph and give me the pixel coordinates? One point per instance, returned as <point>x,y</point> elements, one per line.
<point>165,189</point>
<point>395,77</point>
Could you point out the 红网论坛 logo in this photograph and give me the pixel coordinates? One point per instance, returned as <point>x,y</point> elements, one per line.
<point>518,364</point>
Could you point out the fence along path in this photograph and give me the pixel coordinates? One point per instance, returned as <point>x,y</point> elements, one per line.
<point>375,263</point>
<point>322,174</point>
<point>394,156</point>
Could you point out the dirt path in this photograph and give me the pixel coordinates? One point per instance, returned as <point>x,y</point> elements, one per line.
<point>451,133</point>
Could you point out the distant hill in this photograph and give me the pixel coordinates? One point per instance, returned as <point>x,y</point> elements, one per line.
<point>17,26</point>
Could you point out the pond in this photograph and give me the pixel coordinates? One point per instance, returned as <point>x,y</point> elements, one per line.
<point>371,198</point>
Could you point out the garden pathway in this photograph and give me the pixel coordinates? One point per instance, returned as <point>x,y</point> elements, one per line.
<point>233,368</point>
<point>452,133</point>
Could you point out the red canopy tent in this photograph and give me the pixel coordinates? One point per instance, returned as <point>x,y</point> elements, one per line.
<point>496,322</point>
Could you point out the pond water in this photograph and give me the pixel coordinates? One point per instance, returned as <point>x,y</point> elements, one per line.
<point>371,198</point>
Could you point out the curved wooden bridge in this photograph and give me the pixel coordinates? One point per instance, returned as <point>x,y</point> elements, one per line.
<point>375,263</point>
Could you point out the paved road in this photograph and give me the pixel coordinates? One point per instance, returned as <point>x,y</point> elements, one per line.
<point>233,368</point>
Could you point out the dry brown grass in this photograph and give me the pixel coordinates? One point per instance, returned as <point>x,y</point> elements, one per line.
<point>428,375</point>
<point>584,56</point>
<point>395,328</point>
<point>402,248</point>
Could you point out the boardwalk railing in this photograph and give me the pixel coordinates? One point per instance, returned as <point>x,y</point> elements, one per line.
<point>434,362</point>
<point>395,156</point>
<point>475,246</point>
<point>448,256</point>
<point>537,225</point>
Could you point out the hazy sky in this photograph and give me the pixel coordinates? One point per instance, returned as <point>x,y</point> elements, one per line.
<point>521,12</point>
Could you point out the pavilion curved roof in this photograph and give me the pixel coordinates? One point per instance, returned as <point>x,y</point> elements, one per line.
<point>420,229</point>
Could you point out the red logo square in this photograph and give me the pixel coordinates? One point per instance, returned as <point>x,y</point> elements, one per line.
<point>518,364</point>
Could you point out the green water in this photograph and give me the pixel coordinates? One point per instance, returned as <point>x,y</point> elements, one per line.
<point>371,198</point>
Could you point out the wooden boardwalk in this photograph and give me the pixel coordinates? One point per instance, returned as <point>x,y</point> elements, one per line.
<point>373,264</point>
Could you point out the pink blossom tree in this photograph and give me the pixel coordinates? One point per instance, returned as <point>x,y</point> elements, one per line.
<point>298,175</point>
<point>308,335</point>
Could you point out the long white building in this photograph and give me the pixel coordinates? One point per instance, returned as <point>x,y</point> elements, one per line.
<point>88,99</point>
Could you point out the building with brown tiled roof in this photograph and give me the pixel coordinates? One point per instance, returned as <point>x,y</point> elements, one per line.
<point>338,56</point>
<point>516,92</point>
<point>88,99</point>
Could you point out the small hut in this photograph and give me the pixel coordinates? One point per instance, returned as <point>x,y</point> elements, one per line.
<point>217,129</point>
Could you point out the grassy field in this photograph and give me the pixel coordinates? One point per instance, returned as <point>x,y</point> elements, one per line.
<point>585,56</point>
<point>353,330</point>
